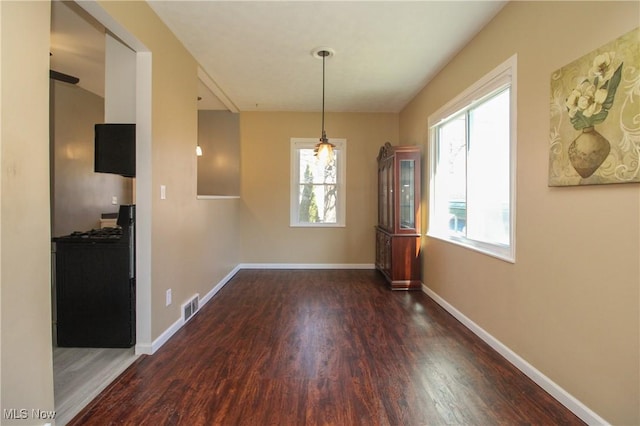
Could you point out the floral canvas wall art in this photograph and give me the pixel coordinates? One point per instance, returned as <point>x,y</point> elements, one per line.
<point>595,116</point>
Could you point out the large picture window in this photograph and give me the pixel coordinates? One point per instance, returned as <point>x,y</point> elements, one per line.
<point>472,174</point>
<point>317,188</point>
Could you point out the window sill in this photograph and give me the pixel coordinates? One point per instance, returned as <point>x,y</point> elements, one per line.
<point>505,254</point>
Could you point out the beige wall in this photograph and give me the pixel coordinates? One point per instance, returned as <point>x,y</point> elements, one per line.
<point>570,304</point>
<point>25,322</point>
<point>219,165</point>
<point>194,242</point>
<point>79,195</point>
<point>265,152</point>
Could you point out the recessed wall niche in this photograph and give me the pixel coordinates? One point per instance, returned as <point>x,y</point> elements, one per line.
<point>219,165</point>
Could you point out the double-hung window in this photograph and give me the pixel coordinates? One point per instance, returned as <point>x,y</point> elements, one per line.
<point>318,192</point>
<point>472,173</point>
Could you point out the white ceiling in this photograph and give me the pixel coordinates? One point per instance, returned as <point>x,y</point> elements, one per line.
<point>256,55</point>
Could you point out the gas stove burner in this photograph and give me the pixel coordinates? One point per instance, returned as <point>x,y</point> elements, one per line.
<point>106,232</point>
<point>96,234</point>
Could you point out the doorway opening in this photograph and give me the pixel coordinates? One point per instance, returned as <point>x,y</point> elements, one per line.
<point>82,199</point>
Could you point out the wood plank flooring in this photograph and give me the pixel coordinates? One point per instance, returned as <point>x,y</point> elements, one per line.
<point>322,347</point>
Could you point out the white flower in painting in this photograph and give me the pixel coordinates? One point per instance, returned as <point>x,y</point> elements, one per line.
<point>572,102</point>
<point>589,103</point>
<point>593,102</point>
<point>603,66</point>
<point>586,99</point>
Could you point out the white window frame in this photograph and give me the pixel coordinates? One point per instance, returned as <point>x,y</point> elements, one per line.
<point>505,75</point>
<point>341,182</point>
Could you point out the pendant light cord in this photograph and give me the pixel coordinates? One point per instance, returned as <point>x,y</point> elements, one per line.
<point>324,55</point>
<point>324,149</point>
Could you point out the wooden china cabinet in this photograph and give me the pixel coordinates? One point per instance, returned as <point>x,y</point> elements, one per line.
<point>398,231</point>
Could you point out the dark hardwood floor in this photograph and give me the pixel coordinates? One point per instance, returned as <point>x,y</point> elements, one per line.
<point>322,347</point>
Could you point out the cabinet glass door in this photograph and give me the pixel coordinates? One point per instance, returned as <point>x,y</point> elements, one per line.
<point>407,219</point>
<point>383,205</point>
<point>390,195</point>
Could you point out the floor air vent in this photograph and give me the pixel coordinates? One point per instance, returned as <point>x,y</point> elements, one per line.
<point>190,308</point>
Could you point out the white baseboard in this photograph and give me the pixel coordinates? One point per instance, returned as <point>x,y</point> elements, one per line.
<point>306,266</point>
<point>564,397</point>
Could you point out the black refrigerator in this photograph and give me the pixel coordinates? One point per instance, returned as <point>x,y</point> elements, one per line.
<point>95,285</point>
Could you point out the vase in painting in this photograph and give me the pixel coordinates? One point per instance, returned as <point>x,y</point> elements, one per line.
<point>588,151</point>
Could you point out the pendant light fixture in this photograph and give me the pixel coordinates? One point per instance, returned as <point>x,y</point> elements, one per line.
<point>198,148</point>
<point>324,149</point>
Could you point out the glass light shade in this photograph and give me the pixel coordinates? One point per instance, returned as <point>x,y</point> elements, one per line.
<point>198,151</point>
<point>324,152</point>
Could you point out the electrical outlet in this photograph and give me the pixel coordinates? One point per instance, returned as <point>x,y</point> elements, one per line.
<point>168,301</point>
<point>114,200</point>
<point>163,192</point>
